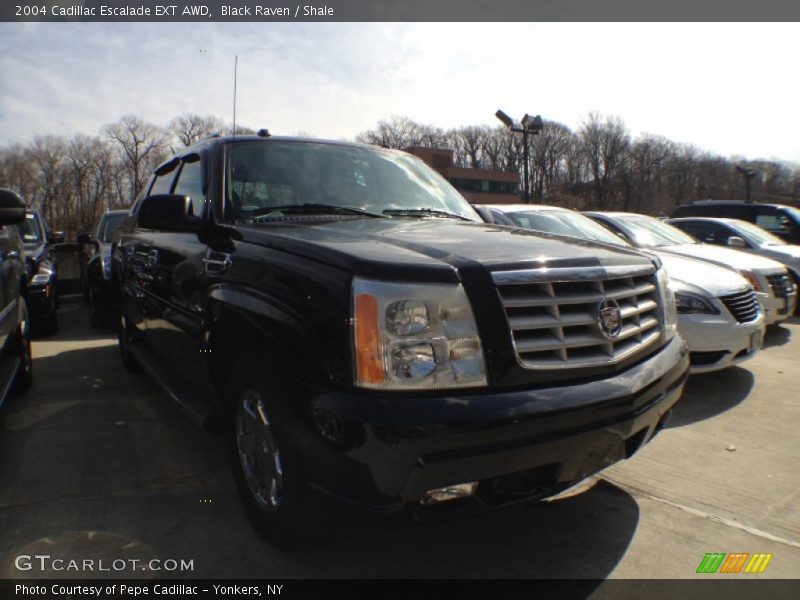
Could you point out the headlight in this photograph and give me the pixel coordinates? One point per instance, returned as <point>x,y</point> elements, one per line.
<point>752,279</point>
<point>688,303</point>
<point>43,274</point>
<point>667,302</point>
<point>415,336</point>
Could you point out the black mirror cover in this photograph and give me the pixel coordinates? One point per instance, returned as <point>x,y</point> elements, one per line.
<point>165,212</point>
<point>56,237</point>
<point>84,239</point>
<point>12,208</point>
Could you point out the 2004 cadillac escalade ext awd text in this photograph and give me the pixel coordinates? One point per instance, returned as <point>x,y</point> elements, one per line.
<point>346,318</point>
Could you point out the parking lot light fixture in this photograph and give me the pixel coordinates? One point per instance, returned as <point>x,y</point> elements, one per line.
<point>528,126</point>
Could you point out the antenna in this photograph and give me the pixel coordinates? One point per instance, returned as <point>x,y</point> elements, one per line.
<point>235,69</point>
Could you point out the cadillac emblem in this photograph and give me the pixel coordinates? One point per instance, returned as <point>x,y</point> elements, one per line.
<point>609,318</point>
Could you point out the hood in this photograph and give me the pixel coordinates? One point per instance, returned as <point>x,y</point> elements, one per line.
<point>419,248</point>
<point>781,252</point>
<point>724,257</point>
<point>702,275</point>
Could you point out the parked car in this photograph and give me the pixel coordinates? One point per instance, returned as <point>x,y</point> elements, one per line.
<point>742,236</point>
<point>96,250</point>
<point>774,288</point>
<point>42,269</point>
<point>778,219</point>
<point>718,311</point>
<point>344,315</point>
<point>16,365</point>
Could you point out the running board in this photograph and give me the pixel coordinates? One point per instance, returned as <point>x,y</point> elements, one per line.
<point>200,410</point>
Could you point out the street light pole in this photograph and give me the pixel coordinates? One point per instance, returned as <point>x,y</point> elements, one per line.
<point>748,174</point>
<point>528,125</point>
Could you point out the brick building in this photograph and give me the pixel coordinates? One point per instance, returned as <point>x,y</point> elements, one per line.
<point>478,186</point>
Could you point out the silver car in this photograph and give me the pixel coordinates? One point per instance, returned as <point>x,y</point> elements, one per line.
<point>742,236</point>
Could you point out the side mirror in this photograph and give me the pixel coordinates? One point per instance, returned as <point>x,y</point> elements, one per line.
<point>12,208</point>
<point>55,237</point>
<point>166,212</point>
<point>83,239</point>
<point>736,242</point>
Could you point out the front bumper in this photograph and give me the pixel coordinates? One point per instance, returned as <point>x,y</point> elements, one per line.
<point>777,308</point>
<point>718,341</point>
<point>518,444</point>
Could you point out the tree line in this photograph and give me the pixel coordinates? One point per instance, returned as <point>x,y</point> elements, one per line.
<point>599,166</point>
<point>73,180</point>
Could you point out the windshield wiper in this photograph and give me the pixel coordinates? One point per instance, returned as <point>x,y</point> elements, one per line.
<point>312,208</point>
<point>423,212</point>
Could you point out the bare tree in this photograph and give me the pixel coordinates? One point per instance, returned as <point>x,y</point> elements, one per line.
<point>191,128</point>
<point>141,145</point>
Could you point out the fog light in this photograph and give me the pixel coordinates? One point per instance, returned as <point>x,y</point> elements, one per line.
<point>451,492</point>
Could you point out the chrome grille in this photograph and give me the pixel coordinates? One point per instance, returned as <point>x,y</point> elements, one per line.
<point>781,284</point>
<point>742,305</point>
<point>554,314</point>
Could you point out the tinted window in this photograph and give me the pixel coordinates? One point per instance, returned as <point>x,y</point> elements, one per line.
<point>710,233</point>
<point>108,225</point>
<point>30,231</point>
<point>163,182</point>
<point>190,183</point>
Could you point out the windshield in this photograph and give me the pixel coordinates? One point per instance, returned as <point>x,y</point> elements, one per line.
<point>108,225</point>
<point>565,222</point>
<point>795,214</point>
<point>30,230</point>
<point>264,175</point>
<point>649,232</point>
<point>755,235</point>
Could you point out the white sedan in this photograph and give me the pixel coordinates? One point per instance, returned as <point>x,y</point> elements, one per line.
<point>719,315</point>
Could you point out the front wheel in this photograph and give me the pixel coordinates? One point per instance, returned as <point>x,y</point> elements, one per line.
<point>270,477</point>
<point>23,379</point>
<point>124,339</point>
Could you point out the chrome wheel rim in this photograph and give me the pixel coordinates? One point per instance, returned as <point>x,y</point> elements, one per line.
<point>258,451</point>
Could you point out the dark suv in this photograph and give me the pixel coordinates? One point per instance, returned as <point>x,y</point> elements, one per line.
<point>16,366</point>
<point>344,315</point>
<point>780,220</point>
<point>41,265</point>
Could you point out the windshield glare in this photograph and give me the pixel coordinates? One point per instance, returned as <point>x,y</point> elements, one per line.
<point>565,223</point>
<point>649,232</point>
<point>108,225</point>
<point>261,175</point>
<point>30,231</point>
<point>755,235</point>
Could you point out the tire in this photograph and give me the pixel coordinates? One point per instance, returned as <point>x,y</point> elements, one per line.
<point>21,346</point>
<point>271,478</point>
<point>94,316</point>
<point>124,334</point>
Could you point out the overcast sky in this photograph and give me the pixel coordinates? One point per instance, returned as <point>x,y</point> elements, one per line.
<point>729,88</point>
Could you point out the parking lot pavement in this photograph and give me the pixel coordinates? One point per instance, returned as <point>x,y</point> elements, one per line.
<point>97,463</point>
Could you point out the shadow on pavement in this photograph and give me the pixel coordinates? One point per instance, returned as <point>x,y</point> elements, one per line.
<point>97,462</point>
<point>709,394</point>
<point>777,335</point>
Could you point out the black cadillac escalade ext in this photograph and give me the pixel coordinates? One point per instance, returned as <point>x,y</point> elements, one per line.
<point>346,318</point>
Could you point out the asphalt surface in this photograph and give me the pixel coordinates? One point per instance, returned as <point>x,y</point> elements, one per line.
<point>98,463</point>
